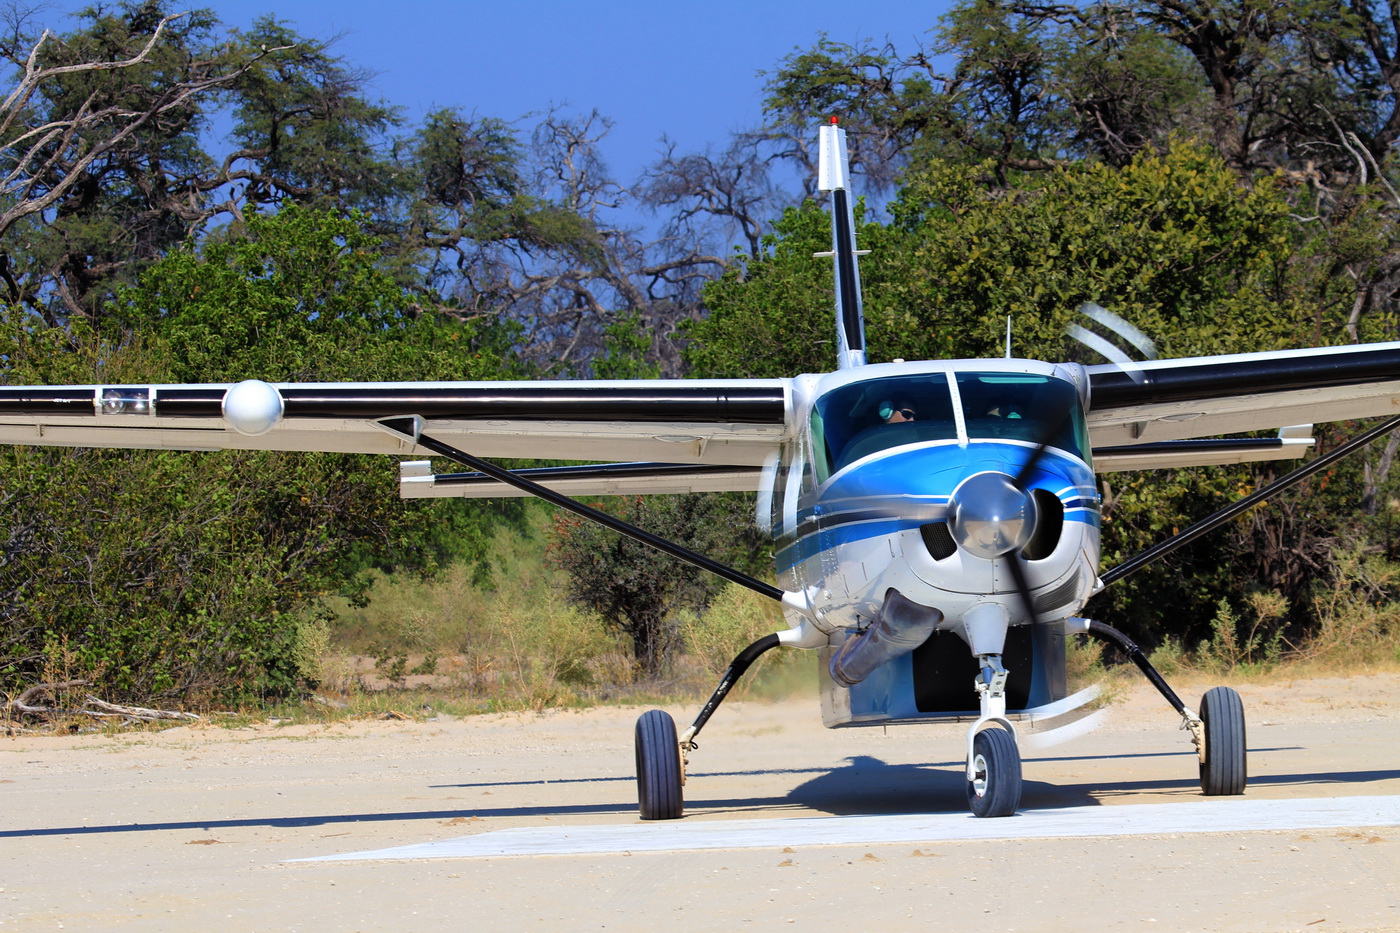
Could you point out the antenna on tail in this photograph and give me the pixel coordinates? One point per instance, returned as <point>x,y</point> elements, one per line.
<point>833,174</point>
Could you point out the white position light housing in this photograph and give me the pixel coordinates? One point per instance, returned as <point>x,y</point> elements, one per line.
<point>252,407</point>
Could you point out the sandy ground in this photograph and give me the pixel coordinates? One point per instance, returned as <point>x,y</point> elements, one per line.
<point>196,827</point>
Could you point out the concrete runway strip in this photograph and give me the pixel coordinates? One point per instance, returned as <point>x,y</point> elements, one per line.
<point>1223,815</point>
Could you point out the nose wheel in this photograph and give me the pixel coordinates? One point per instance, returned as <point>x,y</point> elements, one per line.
<point>994,781</point>
<point>993,762</point>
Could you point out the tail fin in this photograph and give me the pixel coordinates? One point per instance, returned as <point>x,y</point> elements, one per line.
<point>833,174</point>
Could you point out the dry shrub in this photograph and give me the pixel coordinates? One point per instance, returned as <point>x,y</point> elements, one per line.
<point>518,642</point>
<point>736,618</point>
<point>514,642</point>
<point>1084,664</point>
<point>1233,648</point>
<point>1358,625</point>
<point>1358,615</point>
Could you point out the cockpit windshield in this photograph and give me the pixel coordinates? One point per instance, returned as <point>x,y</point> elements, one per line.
<point>856,420</point>
<point>862,418</point>
<point>1023,407</point>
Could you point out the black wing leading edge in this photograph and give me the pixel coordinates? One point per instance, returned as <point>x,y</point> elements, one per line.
<point>735,422</point>
<point>1134,410</point>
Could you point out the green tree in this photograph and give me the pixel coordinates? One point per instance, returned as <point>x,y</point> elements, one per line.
<point>781,301</point>
<point>303,130</point>
<point>642,592</point>
<point>162,573</point>
<point>1171,242</point>
<point>98,142</point>
<point>1302,86</point>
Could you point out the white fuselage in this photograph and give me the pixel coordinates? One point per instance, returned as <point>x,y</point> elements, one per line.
<point>860,501</point>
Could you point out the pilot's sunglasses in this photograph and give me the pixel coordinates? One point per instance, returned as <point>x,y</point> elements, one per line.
<point>908,413</point>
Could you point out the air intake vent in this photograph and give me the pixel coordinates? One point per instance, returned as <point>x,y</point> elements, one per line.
<point>938,539</point>
<point>1059,597</point>
<point>1049,523</point>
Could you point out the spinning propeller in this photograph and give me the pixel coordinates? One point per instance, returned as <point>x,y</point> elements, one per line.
<point>995,515</point>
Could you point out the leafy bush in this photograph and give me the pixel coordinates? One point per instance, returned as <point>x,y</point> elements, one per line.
<point>641,592</point>
<point>193,575</point>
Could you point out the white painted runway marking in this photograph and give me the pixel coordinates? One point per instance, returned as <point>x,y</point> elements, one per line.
<point>1206,816</point>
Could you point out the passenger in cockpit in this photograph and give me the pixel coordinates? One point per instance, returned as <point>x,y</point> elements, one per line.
<point>897,411</point>
<point>1007,410</point>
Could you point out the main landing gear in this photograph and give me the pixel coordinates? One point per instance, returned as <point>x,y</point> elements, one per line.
<point>994,765</point>
<point>1222,753</point>
<point>661,755</point>
<point>993,761</point>
<point>1218,731</point>
<point>659,776</point>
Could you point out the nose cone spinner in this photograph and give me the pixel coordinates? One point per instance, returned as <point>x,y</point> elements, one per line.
<point>990,516</point>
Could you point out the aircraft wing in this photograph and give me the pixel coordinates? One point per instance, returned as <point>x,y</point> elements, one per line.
<point>1134,411</point>
<point>711,422</point>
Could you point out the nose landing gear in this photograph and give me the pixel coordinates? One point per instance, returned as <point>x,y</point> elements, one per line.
<point>993,761</point>
<point>994,774</point>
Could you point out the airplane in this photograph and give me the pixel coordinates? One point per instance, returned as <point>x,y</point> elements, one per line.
<point>936,522</point>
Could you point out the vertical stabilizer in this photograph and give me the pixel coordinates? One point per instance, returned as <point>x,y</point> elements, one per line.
<point>833,174</point>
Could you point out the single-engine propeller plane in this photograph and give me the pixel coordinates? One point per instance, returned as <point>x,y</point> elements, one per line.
<point>936,522</point>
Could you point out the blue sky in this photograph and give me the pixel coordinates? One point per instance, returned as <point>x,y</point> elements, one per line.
<point>688,70</point>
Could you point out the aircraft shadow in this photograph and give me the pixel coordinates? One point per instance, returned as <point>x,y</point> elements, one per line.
<point>869,786</point>
<point>697,774</point>
<point>339,819</point>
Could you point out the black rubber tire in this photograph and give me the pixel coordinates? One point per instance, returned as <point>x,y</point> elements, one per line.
<point>997,792</point>
<point>1223,770</point>
<point>658,767</point>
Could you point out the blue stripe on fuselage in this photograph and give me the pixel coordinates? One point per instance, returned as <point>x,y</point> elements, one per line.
<point>903,488</point>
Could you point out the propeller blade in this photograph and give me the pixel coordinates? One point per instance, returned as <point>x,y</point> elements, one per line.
<point>1018,574</point>
<point>1050,431</point>
<point>1043,442</point>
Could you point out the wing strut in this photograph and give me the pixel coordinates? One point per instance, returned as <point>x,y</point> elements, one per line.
<point>1192,532</point>
<point>409,427</point>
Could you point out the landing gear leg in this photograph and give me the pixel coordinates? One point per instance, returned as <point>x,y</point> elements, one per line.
<point>662,757</point>
<point>993,762</point>
<point>1218,732</point>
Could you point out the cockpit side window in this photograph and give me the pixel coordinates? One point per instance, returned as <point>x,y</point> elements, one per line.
<point>862,418</point>
<point>1023,407</point>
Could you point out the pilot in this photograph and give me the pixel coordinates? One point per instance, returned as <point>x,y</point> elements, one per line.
<point>897,411</point>
<point>1005,410</point>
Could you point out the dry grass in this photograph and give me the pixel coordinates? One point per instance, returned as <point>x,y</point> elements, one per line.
<point>1358,631</point>
<point>448,645</point>
<point>519,644</point>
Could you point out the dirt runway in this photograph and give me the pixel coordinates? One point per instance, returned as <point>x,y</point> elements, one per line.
<point>197,827</point>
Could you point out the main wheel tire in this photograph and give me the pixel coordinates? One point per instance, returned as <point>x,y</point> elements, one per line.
<point>658,767</point>
<point>1223,770</point>
<point>996,789</point>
